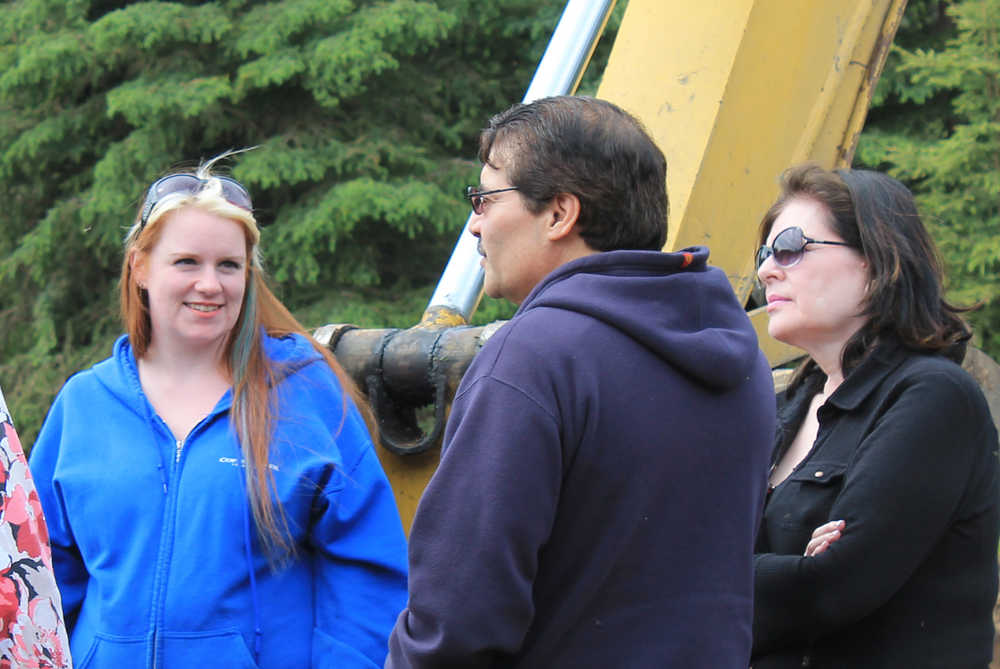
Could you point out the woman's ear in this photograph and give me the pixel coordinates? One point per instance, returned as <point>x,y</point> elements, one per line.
<point>137,265</point>
<point>565,212</point>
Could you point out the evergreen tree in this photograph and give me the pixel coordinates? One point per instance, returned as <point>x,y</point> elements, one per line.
<point>364,113</point>
<point>359,110</point>
<point>936,126</point>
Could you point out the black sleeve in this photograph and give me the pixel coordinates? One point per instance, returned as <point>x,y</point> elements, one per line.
<point>898,498</point>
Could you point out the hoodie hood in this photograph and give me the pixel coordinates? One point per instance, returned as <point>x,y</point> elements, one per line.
<point>672,303</point>
<point>120,374</point>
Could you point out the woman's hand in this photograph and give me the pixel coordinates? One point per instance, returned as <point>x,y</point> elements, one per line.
<point>823,536</point>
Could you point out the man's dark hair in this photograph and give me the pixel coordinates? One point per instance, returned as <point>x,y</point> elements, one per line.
<point>878,216</point>
<point>591,149</point>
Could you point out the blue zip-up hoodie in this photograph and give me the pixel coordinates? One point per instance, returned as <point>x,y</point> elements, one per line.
<point>153,544</point>
<point>603,472</point>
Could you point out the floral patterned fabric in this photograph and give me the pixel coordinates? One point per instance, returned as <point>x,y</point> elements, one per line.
<point>32,633</point>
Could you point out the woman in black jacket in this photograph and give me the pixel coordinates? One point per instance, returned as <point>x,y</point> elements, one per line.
<point>878,546</point>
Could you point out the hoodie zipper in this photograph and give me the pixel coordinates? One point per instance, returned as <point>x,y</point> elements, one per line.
<point>163,555</point>
<point>167,538</point>
<point>179,444</point>
<point>166,549</point>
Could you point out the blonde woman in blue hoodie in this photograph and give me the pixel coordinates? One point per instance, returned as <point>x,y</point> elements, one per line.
<point>213,494</point>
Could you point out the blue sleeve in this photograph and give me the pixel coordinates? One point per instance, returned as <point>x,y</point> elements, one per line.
<point>360,558</point>
<point>478,531</point>
<point>71,574</point>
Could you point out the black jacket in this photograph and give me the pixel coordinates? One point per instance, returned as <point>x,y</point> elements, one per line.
<point>906,455</point>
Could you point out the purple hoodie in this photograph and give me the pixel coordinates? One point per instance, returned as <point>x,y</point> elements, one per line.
<point>601,479</point>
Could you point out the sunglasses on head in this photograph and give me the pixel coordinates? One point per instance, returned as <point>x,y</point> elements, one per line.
<point>477,197</point>
<point>189,184</point>
<point>788,247</point>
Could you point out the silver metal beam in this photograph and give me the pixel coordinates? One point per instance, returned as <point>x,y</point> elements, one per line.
<point>558,73</point>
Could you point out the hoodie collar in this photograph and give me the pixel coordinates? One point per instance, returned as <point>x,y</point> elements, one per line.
<point>674,304</point>
<point>624,263</point>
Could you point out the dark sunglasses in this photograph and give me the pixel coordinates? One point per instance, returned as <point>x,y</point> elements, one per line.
<point>788,247</point>
<point>232,190</point>
<point>476,196</point>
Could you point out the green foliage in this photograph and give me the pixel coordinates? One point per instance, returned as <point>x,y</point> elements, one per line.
<point>399,308</point>
<point>365,114</point>
<point>936,127</point>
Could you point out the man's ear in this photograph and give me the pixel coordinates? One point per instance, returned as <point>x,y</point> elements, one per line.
<point>565,212</point>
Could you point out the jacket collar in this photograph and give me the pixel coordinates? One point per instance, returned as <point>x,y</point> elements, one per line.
<point>869,373</point>
<point>858,385</point>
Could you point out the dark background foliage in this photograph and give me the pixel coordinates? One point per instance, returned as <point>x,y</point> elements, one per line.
<point>365,115</point>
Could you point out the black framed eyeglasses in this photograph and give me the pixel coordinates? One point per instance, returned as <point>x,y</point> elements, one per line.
<point>189,184</point>
<point>788,247</point>
<point>476,196</point>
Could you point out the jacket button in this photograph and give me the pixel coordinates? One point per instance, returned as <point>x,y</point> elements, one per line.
<point>818,474</point>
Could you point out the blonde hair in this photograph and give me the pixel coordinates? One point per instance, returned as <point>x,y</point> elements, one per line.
<point>251,372</point>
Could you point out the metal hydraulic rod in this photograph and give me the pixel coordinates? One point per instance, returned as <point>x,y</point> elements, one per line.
<point>733,92</point>
<point>576,35</point>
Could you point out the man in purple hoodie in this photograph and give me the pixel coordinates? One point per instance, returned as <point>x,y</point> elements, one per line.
<point>605,459</point>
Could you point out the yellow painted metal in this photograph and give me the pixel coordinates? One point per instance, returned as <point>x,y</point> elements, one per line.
<point>409,475</point>
<point>441,317</point>
<point>734,92</point>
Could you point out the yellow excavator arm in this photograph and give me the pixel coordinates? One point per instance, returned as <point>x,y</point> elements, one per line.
<point>733,91</point>
<point>736,91</point>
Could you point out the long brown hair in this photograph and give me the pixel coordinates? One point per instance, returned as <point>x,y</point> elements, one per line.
<point>252,373</point>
